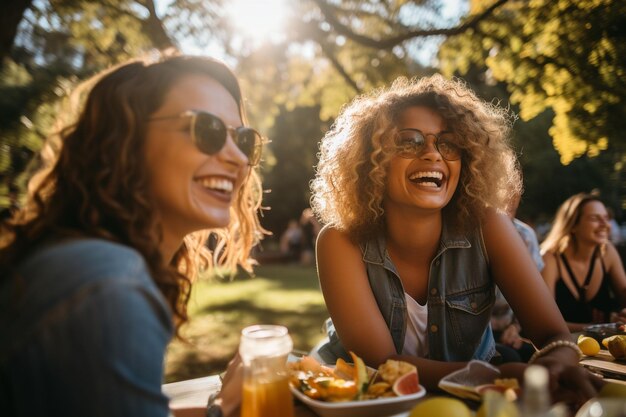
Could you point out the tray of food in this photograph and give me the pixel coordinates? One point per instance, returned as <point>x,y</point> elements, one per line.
<point>353,389</point>
<point>602,331</point>
<point>475,379</point>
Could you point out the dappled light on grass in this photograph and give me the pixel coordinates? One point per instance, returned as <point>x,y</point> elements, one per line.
<point>219,309</point>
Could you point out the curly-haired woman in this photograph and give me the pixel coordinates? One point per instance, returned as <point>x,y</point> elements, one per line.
<point>97,267</point>
<point>413,183</point>
<point>583,269</point>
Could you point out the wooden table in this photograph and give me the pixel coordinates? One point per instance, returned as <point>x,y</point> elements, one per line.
<point>604,364</point>
<point>195,392</point>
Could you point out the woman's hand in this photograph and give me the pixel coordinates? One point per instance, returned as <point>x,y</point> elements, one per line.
<point>619,316</point>
<point>571,384</point>
<point>510,336</point>
<point>229,397</point>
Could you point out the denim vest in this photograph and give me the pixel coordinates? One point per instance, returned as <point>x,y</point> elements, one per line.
<point>460,298</point>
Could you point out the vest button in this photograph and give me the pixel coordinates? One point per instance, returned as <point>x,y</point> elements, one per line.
<point>434,328</point>
<point>433,291</point>
<point>473,305</point>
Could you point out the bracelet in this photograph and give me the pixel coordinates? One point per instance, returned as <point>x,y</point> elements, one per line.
<point>553,345</point>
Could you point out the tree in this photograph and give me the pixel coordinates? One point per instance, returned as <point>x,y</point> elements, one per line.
<point>295,138</point>
<point>562,55</point>
<point>60,42</point>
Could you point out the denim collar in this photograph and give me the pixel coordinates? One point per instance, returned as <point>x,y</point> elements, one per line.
<point>375,249</point>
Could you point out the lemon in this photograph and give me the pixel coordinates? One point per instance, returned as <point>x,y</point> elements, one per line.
<point>440,407</point>
<point>589,346</point>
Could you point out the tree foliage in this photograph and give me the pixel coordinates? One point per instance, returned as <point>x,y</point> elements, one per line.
<point>559,62</point>
<point>562,55</point>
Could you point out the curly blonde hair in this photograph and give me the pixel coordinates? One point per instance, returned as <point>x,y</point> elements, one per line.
<point>567,217</point>
<point>349,187</point>
<point>94,182</point>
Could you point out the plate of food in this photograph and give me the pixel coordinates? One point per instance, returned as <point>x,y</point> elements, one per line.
<point>347,390</point>
<point>475,379</point>
<point>602,331</point>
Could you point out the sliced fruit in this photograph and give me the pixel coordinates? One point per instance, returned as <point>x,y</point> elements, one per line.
<point>307,363</point>
<point>605,341</point>
<point>617,347</point>
<point>588,345</point>
<point>343,369</point>
<point>406,384</point>
<point>360,373</point>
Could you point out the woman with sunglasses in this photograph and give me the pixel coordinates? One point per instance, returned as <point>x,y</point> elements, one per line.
<point>413,183</point>
<point>97,266</point>
<point>583,269</point>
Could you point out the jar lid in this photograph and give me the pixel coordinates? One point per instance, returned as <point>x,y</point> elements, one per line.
<point>265,340</point>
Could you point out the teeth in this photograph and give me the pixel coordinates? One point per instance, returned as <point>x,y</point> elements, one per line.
<point>427,174</point>
<point>220,184</point>
<point>429,184</point>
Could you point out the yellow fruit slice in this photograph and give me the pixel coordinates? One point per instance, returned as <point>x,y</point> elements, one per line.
<point>589,346</point>
<point>360,373</point>
<point>606,340</point>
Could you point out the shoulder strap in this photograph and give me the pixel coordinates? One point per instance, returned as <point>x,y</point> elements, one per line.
<point>572,277</point>
<point>592,263</point>
<point>602,263</point>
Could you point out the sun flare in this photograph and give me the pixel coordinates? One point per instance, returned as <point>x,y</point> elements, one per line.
<point>258,19</point>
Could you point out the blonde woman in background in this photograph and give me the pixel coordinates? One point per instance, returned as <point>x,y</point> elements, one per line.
<point>583,270</point>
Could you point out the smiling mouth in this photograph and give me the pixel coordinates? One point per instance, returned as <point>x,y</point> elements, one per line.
<point>219,185</point>
<point>427,178</point>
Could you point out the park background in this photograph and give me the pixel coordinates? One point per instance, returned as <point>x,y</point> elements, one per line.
<point>558,64</point>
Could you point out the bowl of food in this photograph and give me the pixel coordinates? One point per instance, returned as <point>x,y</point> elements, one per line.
<point>354,389</point>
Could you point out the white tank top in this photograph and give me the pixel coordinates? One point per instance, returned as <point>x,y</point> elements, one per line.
<point>415,339</point>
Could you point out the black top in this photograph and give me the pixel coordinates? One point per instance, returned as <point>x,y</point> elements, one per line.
<point>576,309</point>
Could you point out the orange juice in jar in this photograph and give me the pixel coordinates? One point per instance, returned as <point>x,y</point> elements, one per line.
<point>267,398</point>
<point>264,350</point>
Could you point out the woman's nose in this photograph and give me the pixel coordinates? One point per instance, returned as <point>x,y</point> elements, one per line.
<point>430,152</point>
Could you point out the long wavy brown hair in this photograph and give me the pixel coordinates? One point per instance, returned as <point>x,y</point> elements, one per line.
<point>94,182</point>
<point>349,186</point>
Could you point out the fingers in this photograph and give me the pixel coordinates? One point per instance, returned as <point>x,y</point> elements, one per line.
<point>580,384</point>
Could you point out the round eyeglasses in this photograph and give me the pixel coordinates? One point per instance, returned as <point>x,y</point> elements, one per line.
<point>411,142</point>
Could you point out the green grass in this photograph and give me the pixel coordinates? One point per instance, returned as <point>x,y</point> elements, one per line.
<point>219,309</point>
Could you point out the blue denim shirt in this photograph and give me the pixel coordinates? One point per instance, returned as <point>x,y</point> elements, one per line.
<point>83,334</point>
<point>460,298</point>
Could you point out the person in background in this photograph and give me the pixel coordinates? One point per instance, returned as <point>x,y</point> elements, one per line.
<point>310,229</point>
<point>506,328</point>
<point>412,184</point>
<point>616,231</point>
<point>291,241</point>
<point>97,266</point>
<point>583,270</point>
